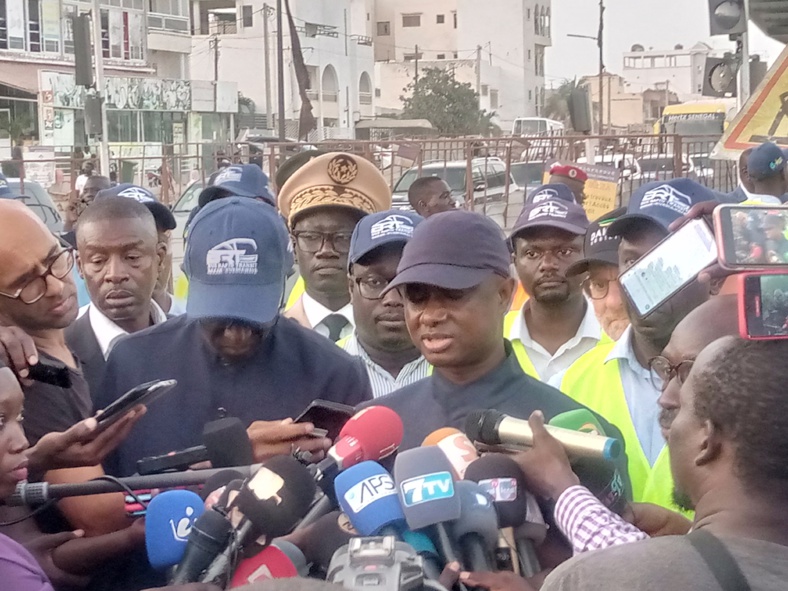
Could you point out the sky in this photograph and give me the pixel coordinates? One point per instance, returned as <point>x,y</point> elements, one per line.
<point>660,26</point>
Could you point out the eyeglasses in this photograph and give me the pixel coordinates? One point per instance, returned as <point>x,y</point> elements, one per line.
<point>371,288</point>
<point>597,289</point>
<point>36,288</point>
<point>662,371</point>
<point>312,242</point>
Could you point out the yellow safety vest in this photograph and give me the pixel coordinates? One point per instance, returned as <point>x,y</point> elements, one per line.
<point>297,292</point>
<point>597,385</point>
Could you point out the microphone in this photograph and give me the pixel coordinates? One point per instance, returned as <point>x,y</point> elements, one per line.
<point>326,536</point>
<point>209,535</point>
<point>368,496</point>
<point>477,528</point>
<point>168,523</point>
<point>271,563</point>
<point>424,547</point>
<point>503,480</point>
<point>580,419</point>
<point>457,447</point>
<point>215,486</point>
<point>495,428</point>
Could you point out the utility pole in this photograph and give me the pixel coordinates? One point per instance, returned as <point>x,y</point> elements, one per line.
<point>599,41</point>
<point>98,55</point>
<point>280,73</point>
<point>744,69</point>
<point>269,124</point>
<point>479,74</point>
<point>215,47</point>
<point>416,77</point>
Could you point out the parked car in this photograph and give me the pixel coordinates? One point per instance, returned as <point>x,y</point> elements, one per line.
<point>489,181</point>
<point>39,200</point>
<point>181,209</point>
<point>662,167</point>
<point>528,175</point>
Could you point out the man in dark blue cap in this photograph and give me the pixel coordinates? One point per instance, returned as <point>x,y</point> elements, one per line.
<point>455,282</point>
<point>765,167</point>
<point>381,338</point>
<point>232,353</point>
<point>551,192</point>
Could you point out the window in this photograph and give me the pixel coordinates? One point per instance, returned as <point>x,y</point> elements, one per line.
<point>122,126</point>
<point>493,99</point>
<point>530,95</point>
<point>485,89</point>
<point>68,31</point>
<point>440,19</point>
<point>455,55</point>
<point>455,20</point>
<point>377,93</point>
<point>528,14</point>
<point>411,20</point>
<point>410,57</point>
<point>384,29</point>
<point>441,56</point>
<point>529,55</point>
<point>3,27</point>
<point>246,12</point>
<point>33,26</point>
<point>105,33</point>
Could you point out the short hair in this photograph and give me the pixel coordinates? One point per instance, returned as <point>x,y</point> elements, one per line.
<point>418,186</point>
<point>116,208</point>
<point>742,392</point>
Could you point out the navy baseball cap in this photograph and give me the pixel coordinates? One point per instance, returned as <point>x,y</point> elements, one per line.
<point>376,229</point>
<point>5,190</point>
<point>236,261</point>
<point>599,246</point>
<point>661,202</point>
<point>553,213</point>
<point>161,213</point>
<point>241,180</point>
<point>454,250</point>
<point>551,192</point>
<point>765,161</point>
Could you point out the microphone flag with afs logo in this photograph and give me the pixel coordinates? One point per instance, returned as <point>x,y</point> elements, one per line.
<point>168,523</point>
<point>367,494</point>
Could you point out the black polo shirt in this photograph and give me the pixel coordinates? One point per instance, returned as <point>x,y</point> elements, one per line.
<point>292,367</point>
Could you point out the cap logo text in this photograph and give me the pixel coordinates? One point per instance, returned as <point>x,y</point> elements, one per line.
<point>136,193</point>
<point>551,209</point>
<point>666,197</point>
<point>231,174</point>
<point>237,256</point>
<point>392,224</point>
<point>545,195</point>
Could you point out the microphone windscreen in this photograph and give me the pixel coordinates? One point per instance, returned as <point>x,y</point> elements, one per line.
<point>294,554</point>
<point>477,514</point>
<point>425,484</point>
<point>603,478</point>
<point>326,536</point>
<point>379,430</point>
<point>457,447</point>
<point>580,419</point>
<point>503,480</point>
<point>227,443</point>
<point>168,522</point>
<point>480,425</point>
<point>420,542</point>
<point>277,496</point>
<point>270,563</point>
<point>368,496</point>
<point>219,480</point>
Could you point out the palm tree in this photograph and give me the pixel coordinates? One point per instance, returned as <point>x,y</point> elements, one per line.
<point>557,101</point>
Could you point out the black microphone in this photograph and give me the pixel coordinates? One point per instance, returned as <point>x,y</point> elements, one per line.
<point>208,537</point>
<point>477,528</point>
<point>218,480</point>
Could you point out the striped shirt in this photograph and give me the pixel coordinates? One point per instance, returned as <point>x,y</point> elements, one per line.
<point>381,380</point>
<point>589,525</point>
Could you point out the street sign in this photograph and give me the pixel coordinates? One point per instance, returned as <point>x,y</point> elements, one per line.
<point>763,118</point>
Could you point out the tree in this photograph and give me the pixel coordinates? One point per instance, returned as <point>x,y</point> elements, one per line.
<point>557,101</point>
<point>452,107</point>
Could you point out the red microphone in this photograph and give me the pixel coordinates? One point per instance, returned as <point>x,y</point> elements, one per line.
<point>271,563</point>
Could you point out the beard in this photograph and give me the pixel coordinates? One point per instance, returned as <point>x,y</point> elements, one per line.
<point>558,295</point>
<point>682,500</point>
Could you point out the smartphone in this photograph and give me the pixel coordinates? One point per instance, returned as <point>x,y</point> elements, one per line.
<point>327,417</point>
<point>50,371</point>
<point>763,306</point>
<point>669,267</point>
<point>177,461</point>
<point>143,394</point>
<point>751,236</point>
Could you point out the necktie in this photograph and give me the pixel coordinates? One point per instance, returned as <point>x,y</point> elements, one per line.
<point>335,323</point>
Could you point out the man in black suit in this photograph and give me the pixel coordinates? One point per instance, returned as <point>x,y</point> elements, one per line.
<point>119,258</point>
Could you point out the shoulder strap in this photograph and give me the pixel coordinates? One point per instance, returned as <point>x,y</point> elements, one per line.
<point>719,560</point>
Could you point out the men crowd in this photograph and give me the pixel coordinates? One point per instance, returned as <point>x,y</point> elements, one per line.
<point>407,310</point>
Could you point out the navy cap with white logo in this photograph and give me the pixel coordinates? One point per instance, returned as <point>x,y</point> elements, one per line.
<point>551,192</point>
<point>165,220</point>
<point>661,202</point>
<point>554,213</point>
<point>599,245</point>
<point>236,261</point>
<point>242,180</point>
<point>377,229</point>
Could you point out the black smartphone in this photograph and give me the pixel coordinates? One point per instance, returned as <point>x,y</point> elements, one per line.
<point>50,371</point>
<point>177,461</point>
<point>327,417</point>
<point>763,306</point>
<point>752,236</point>
<point>143,394</point>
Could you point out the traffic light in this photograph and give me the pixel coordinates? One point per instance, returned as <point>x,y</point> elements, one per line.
<point>727,17</point>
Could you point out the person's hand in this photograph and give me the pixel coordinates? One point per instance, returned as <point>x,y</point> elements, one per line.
<point>42,547</point>
<point>500,581</point>
<point>545,466</point>
<point>714,274</point>
<point>18,352</point>
<point>81,445</point>
<point>657,521</point>
<point>278,438</point>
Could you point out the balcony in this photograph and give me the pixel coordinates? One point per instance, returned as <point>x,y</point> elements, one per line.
<point>168,22</point>
<point>330,97</point>
<point>365,98</point>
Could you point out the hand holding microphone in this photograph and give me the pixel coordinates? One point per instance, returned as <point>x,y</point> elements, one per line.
<point>274,438</point>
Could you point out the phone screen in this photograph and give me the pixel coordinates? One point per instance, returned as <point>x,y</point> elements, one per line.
<point>766,306</point>
<point>753,236</point>
<point>672,264</point>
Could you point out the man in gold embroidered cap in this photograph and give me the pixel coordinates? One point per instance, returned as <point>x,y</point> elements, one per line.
<point>322,203</point>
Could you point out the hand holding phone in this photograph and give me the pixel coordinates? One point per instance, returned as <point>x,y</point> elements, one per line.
<point>763,305</point>
<point>751,236</point>
<point>143,394</point>
<point>327,417</point>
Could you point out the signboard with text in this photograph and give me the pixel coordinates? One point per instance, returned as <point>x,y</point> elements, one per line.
<point>601,188</point>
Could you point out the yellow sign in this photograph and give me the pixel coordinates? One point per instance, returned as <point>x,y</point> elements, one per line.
<point>601,189</point>
<point>765,116</point>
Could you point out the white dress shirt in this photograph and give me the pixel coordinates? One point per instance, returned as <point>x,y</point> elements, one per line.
<point>587,336</point>
<point>317,312</point>
<point>107,332</point>
<point>381,380</point>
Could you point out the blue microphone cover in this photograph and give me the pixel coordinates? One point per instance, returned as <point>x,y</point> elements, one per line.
<point>425,484</point>
<point>478,514</point>
<point>420,542</point>
<point>368,496</point>
<point>168,522</point>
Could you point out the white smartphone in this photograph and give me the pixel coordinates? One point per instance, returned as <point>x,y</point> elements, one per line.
<point>669,267</point>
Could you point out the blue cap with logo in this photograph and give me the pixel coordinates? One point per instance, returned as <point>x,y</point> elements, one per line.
<point>236,261</point>
<point>5,190</point>
<point>765,161</point>
<point>551,192</point>
<point>661,202</point>
<point>241,180</point>
<point>377,229</point>
<point>165,220</point>
<point>552,213</point>
<point>599,246</point>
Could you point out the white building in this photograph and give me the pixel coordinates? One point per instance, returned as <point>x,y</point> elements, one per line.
<point>336,46</point>
<point>681,68</point>
<point>508,71</point>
